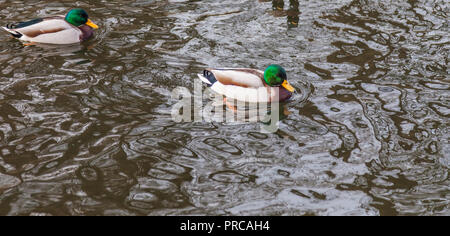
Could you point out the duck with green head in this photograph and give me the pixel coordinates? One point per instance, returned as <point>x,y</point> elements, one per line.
<point>75,27</point>
<point>250,85</point>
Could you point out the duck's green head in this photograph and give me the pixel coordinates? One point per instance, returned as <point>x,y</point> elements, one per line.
<point>78,17</point>
<point>275,76</point>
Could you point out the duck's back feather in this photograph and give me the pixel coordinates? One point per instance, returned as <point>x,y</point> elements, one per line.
<point>24,24</point>
<point>35,28</point>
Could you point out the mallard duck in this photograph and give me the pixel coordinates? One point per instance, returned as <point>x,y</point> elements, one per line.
<point>75,27</point>
<point>250,85</point>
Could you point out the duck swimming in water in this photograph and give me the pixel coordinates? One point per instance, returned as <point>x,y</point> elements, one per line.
<point>250,85</point>
<point>73,28</point>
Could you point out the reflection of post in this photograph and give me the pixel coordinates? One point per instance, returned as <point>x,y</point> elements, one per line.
<point>278,5</point>
<point>293,13</point>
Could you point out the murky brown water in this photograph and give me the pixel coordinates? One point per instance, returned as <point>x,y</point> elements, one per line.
<point>87,129</point>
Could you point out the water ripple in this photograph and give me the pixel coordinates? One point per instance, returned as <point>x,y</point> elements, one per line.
<point>87,130</point>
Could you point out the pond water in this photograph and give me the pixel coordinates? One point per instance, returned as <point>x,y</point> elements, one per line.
<point>87,129</point>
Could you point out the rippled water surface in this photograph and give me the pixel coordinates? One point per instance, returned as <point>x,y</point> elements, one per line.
<point>87,129</point>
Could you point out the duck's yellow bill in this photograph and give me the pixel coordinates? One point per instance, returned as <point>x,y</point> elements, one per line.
<point>288,87</point>
<point>91,24</point>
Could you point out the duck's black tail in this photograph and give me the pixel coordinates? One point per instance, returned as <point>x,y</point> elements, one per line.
<point>9,26</point>
<point>12,32</point>
<point>208,77</point>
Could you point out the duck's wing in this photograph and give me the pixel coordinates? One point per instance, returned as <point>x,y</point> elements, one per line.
<point>37,27</point>
<point>247,78</point>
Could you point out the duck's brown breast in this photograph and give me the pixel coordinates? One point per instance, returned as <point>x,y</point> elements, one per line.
<point>86,32</point>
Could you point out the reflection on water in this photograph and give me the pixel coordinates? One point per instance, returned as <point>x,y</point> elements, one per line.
<point>87,129</point>
<point>292,13</point>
